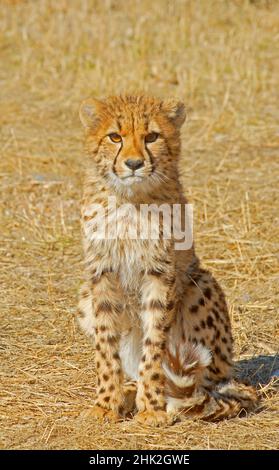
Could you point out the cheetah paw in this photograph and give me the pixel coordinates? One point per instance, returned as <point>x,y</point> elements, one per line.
<point>154,418</point>
<point>101,414</point>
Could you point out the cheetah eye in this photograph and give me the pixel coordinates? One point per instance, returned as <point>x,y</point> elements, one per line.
<point>116,138</point>
<point>151,137</point>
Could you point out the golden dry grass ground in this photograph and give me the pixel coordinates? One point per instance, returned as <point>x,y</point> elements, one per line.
<point>221,58</point>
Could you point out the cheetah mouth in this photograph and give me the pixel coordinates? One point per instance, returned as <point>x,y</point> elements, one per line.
<point>131,179</point>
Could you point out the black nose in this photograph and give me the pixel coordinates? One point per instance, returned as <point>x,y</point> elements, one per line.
<point>134,164</point>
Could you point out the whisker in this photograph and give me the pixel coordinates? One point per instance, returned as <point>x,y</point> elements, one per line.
<point>162,175</point>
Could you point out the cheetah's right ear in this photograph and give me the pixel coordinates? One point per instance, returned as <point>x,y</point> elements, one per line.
<point>89,112</point>
<point>175,111</point>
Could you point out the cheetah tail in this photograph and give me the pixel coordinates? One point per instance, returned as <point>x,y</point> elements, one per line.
<point>227,400</point>
<point>190,393</point>
<point>185,370</point>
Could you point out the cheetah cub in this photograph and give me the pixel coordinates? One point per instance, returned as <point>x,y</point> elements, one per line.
<point>157,318</point>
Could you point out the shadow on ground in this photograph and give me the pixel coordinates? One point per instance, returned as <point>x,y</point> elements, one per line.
<point>259,369</point>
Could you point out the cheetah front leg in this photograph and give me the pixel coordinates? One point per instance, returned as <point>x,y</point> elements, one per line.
<point>158,301</point>
<point>107,301</point>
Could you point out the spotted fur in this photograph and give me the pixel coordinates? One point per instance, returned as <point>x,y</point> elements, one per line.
<point>157,317</point>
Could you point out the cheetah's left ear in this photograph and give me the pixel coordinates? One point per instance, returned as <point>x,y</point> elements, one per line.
<point>89,112</point>
<point>175,111</point>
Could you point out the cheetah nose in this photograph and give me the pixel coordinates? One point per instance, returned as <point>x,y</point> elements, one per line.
<point>134,164</point>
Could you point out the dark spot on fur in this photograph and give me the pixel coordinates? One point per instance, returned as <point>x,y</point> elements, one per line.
<point>212,369</point>
<point>104,307</point>
<point>194,308</point>
<point>106,399</point>
<point>196,328</point>
<point>85,294</point>
<point>105,377</point>
<point>156,305</point>
<point>106,271</point>
<point>207,293</point>
<point>155,273</point>
<point>209,322</point>
<point>112,339</point>
<point>217,350</point>
<point>216,313</point>
<point>170,305</point>
<point>224,340</point>
<point>111,388</point>
<point>148,342</point>
<point>224,358</point>
<point>155,376</point>
<point>201,301</point>
<point>94,279</point>
<point>202,324</point>
<point>80,313</point>
<point>159,408</point>
<point>156,357</point>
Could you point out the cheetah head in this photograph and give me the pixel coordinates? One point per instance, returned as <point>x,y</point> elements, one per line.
<point>133,141</point>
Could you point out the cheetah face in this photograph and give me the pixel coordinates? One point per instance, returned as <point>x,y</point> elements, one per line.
<point>133,140</point>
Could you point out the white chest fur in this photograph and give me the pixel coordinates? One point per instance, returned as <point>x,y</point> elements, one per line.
<point>124,240</point>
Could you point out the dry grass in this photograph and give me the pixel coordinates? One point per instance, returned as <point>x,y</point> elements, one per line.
<point>221,57</point>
